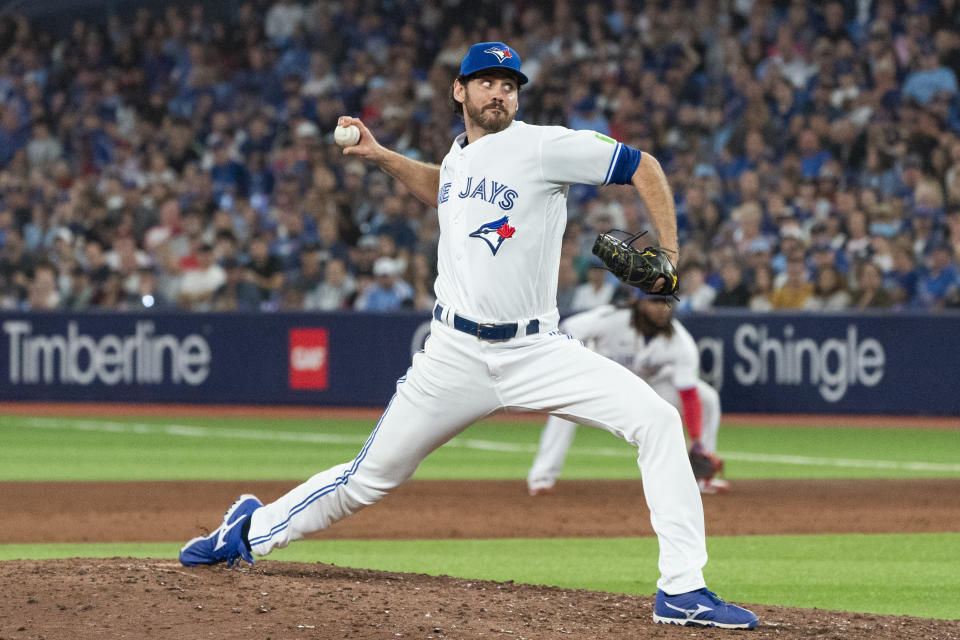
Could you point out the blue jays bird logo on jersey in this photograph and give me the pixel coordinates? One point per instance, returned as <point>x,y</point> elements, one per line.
<point>494,233</point>
<point>502,54</point>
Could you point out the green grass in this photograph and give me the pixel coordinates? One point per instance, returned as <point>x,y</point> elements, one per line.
<point>917,575</point>
<point>246,449</point>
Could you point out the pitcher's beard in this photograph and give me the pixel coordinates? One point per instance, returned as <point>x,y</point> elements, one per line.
<point>490,120</point>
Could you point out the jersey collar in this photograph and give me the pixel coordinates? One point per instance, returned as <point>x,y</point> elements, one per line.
<point>460,142</point>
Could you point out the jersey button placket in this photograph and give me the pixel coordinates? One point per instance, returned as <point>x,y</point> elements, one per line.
<point>459,185</point>
<point>458,210</point>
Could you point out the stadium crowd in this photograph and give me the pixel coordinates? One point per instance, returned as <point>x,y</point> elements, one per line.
<point>179,158</point>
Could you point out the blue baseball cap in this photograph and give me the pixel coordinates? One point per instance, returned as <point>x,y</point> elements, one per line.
<point>492,55</point>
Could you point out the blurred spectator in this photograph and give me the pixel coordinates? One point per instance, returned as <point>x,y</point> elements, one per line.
<point>930,79</point>
<point>822,256</point>
<point>366,253</point>
<point>857,242</point>
<point>870,293</point>
<point>939,279</point>
<point>282,21</point>
<point>331,245</point>
<point>388,292</point>
<point>310,274</point>
<point>43,288</point>
<point>394,224</point>
<point>321,79</point>
<point>761,289</point>
<point>792,246</point>
<point>829,291</point>
<point>922,230</point>
<point>902,279</point>
<point>421,277</point>
<point>812,156</point>
<point>735,292</point>
<point>168,227</point>
<point>13,134</point>
<point>695,293</point>
<point>79,292</point>
<point>747,218</point>
<point>43,149</point>
<point>585,115</point>
<point>230,178</point>
<point>125,259</point>
<point>16,264</point>
<point>336,290</point>
<point>796,289</point>
<point>264,270</point>
<point>109,294</point>
<point>236,293</point>
<point>198,285</point>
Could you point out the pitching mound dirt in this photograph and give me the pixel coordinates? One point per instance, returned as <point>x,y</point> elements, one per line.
<point>125,598</point>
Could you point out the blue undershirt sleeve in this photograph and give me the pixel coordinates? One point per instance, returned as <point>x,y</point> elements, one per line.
<point>624,163</point>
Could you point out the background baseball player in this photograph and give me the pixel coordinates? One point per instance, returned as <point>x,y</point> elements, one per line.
<point>501,197</point>
<point>647,339</point>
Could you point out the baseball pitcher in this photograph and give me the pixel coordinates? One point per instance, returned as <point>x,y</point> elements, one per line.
<point>501,194</point>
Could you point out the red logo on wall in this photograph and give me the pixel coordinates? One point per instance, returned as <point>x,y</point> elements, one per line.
<point>308,358</point>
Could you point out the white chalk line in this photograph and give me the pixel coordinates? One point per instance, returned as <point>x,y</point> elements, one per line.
<point>193,431</point>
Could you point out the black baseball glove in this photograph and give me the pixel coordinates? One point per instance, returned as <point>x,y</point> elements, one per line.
<point>705,465</point>
<point>640,268</point>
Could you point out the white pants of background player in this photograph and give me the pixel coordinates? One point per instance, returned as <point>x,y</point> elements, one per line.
<point>558,433</point>
<point>458,380</point>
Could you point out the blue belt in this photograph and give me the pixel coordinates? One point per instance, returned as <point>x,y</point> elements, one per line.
<point>487,331</point>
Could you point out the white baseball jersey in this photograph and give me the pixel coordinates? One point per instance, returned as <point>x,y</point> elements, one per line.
<point>503,210</point>
<point>607,330</point>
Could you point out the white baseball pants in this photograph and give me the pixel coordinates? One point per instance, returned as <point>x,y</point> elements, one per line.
<point>557,434</point>
<point>458,380</point>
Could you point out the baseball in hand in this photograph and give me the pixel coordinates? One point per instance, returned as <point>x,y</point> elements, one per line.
<point>346,136</point>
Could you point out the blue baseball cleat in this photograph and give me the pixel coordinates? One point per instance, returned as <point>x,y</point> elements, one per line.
<point>703,608</point>
<point>227,543</point>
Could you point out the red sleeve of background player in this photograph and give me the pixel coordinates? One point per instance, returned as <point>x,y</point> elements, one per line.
<point>692,412</point>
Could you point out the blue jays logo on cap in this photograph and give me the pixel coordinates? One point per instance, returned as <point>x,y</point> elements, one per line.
<point>494,233</point>
<point>492,55</point>
<point>502,54</point>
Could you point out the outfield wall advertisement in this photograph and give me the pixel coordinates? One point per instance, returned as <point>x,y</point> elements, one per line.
<point>901,364</point>
<point>342,359</point>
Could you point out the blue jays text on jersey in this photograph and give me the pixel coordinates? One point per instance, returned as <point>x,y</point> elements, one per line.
<point>493,192</point>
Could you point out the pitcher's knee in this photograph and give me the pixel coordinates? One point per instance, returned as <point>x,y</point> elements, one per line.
<point>668,417</point>
<point>372,484</point>
<point>658,416</point>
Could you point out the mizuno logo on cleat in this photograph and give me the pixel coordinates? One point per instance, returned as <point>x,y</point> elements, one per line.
<point>222,534</point>
<point>690,613</point>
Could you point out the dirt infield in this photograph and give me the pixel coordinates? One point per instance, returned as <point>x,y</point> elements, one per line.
<point>125,598</point>
<point>165,511</point>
